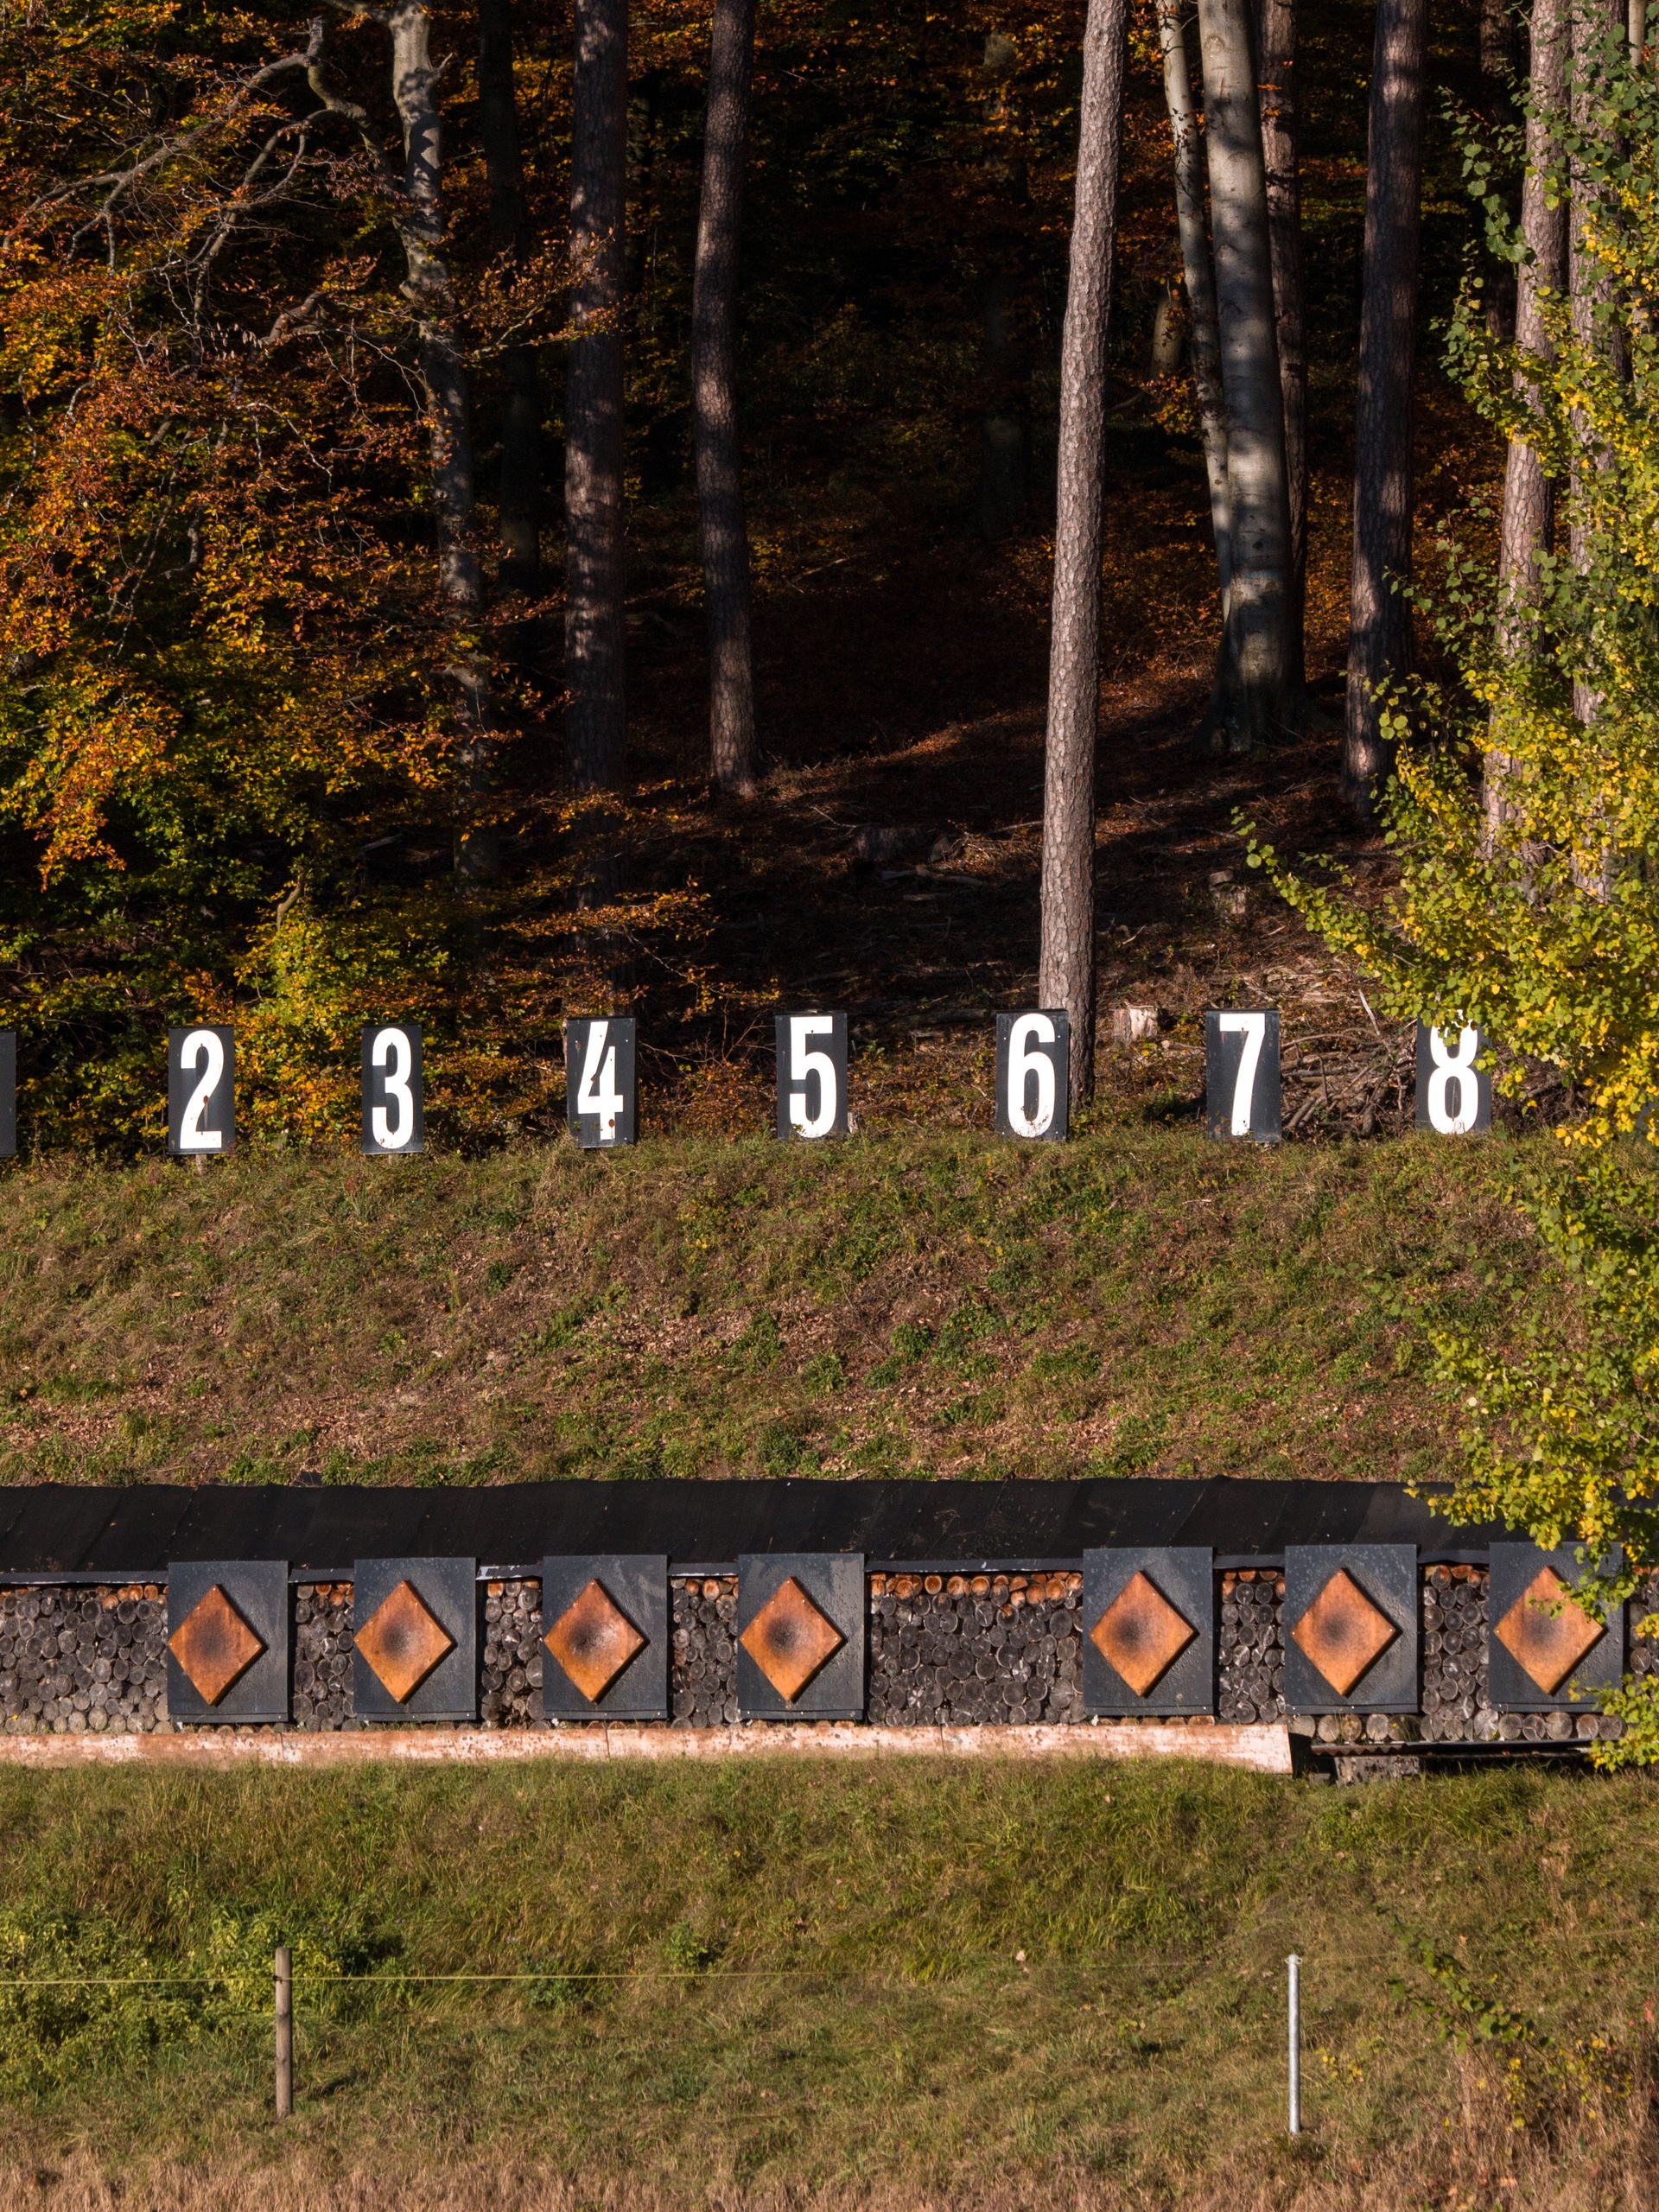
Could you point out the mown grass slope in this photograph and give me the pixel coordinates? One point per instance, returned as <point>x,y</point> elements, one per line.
<point>1138,1299</point>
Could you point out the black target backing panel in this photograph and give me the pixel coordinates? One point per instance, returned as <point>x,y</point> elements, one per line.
<point>257,1591</point>
<point>636,1584</point>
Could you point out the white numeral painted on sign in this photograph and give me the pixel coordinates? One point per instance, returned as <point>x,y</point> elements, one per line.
<point>1450,1069</point>
<point>1031,1029</point>
<point>1253,1028</point>
<point>391,1049</point>
<point>803,1063</point>
<point>192,1137</point>
<point>598,1093</point>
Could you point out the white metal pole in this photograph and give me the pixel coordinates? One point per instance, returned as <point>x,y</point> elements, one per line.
<point>1294,1964</point>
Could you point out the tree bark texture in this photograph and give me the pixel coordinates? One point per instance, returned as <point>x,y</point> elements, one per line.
<point>1199,273</point>
<point>1525,531</point>
<point>1588,284</point>
<point>521,412</point>
<point>714,401</point>
<point>1276,67</point>
<point>1066,968</point>
<point>595,722</point>
<point>1253,675</point>
<point>1379,632</point>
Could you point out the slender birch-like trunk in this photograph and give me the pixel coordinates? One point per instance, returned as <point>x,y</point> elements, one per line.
<point>714,401</point>
<point>1379,632</point>
<point>1066,967</point>
<point>595,722</point>
<point>1199,273</point>
<point>1253,698</point>
<point>1276,43</point>
<point>520,500</point>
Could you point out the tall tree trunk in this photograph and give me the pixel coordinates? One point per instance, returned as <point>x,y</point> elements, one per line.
<point>521,410</point>
<point>1379,633</point>
<point>1199,273</point>
<point>595,723</point>
<point>1497,63</point>
<point>1066,968</point>
<point>1253,685</point>
<point>1588,283</point>
<point>1276,39</point>
<point>714,401</point>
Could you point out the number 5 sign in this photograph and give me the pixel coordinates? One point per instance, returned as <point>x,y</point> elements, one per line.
<point>1241,1075</point>
<point>1454,1096</point>
<point>201,1090</point>
<point>1033,1070</point>
<point>393,1117</point>
<point>811,1075</point>
<point>599,1092</point>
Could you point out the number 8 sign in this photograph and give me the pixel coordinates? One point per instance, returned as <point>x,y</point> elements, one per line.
<point>1240,1073</point>
<point>1454,1096</point>
<point>393,1119</point>
<point>1033,1071</point>
<point>599,1092</point>
<point>201,1090</point>
<point>811,1075</point>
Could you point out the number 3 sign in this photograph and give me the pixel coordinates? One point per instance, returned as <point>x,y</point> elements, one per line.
<point>811,1075</point>
<point>599,1092</point>
<point>201,1090</point>
<point>1034,1071</point>
<point>392,1118</point>
<point>1454,1096</point>
<point>1241,1072</point>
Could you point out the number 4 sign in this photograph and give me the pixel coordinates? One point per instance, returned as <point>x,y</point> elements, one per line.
<point>1033,1071</point>
<point>1454,1096</point>
<point>393,1119</point>
<point>1241,1072</point>
<point>811,1075</point>
<point>600,1092</point>
<point>201,1090</point>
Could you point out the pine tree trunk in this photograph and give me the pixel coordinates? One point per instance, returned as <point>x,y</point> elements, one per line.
<point>1254,696</point>
<point>1277,68</point>
<point>1379,634</point>
<point>1588,283</point>
<point>1066,968</point>
<point>521,410</point>
<point>1497,63</point>
<point>595,724</point>
<point>1199,273</point>
<point>714,401</point>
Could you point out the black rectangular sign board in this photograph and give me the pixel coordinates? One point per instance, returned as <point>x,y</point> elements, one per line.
<point>1454,1096</point>
<point>8,1093</point>
<point>1033,1074</point>
<point>201,1090</point>
<point>393,1113</point>
<point>811,1075</point>
<point>1240,1074</point>
<point>601,1093</point>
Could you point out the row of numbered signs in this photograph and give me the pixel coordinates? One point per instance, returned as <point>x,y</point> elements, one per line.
<point>1454,1093</point>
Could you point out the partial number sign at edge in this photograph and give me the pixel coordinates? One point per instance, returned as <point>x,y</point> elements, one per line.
<point>200,1091</point>
<point>600,1091</point>
<point>1454,1093</point>
<point>1033,1071</point>
<point>394,1115</point>
<point>811,1075</point>
<point>1241,1067</point>
<point>8,1093</point>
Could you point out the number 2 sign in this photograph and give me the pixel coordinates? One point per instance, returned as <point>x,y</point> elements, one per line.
<point>1454,1096</point>
<point>393,1119</point>
<point>201,1090</point>
<point>1240,1074</point>
<point>811,1075</point>
<point>599,1090</point>
<point>1033,1074</point>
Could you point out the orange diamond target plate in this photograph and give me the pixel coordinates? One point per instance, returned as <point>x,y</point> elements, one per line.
<point>789,1639</point>
<point>404,1641</point>
<point>215,1645</point>
<point>1343,1632</point>
<point>593,1640</point>
<point>1547,1645</point>
<point>1141,1634</point>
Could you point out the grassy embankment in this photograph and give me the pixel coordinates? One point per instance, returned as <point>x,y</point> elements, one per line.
<point>816,1982</point>
<point>924,1304</point>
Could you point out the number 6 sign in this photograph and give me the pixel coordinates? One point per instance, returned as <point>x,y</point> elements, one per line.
<point>599,1092</point>
<point>1240,1073</point>
<point>201,1090</point>
<point>392,1118</point>
<point>1033,1073</point>
<point>811,1075</point>
<point>1454,1096</point>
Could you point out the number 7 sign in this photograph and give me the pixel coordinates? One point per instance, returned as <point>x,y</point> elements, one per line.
<point>601,1094</point>
<point>1241,1072</point>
